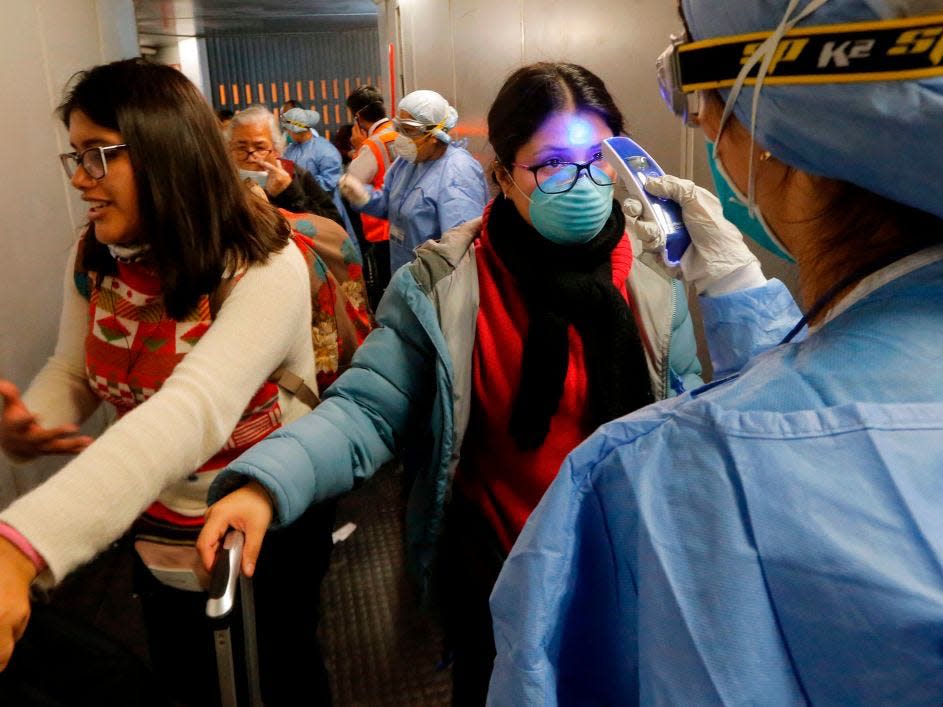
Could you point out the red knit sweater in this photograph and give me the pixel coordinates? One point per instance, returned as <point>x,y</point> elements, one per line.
<point>503,481</point>
<point>132,346</point>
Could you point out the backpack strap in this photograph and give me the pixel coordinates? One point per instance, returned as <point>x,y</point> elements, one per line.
<point>296,385</point>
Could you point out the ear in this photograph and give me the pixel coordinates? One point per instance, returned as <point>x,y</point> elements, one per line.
<point>503,177</point>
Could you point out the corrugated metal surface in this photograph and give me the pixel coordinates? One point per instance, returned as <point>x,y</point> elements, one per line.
<point>318,70</point>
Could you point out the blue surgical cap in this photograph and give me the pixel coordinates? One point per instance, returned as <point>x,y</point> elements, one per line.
<point>884,136</point>
<point>431,108</point>
<point>297,120</point>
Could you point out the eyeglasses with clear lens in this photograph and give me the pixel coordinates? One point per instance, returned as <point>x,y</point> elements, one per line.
<point>93,160</point>
<point>243,154</point>
<point>558,177</point>
<point>685,105</point>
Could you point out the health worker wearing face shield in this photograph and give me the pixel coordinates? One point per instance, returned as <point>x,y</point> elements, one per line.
<point>774,537</point>
<point>501,348</point>
<point>431,187</point>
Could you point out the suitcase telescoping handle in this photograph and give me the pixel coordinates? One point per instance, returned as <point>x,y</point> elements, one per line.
<point>225,576</point>
<point>222,598</point>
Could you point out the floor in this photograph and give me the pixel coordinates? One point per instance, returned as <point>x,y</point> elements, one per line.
<point>381,649</point>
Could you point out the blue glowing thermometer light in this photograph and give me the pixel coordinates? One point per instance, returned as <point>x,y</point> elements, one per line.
<point>635,167</point>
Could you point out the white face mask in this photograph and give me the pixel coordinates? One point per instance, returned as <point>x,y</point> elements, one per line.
<point>260,178</point>
<point>406,148</point>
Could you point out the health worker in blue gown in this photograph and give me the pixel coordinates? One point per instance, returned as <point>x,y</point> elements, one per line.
<point>776,536</point>
<point>432,186</point>
<point>315,154</point>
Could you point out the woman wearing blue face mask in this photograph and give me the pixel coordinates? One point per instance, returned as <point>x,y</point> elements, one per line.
<point>773,537</point>
<point>502,347</point>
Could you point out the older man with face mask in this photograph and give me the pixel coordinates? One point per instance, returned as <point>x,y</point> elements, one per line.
<point>256,146</point>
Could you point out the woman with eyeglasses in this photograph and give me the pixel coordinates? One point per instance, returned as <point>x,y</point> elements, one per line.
<point>502,347</point>
<point>183,295</point>
<point>433,186</point>
<point>774,537</point>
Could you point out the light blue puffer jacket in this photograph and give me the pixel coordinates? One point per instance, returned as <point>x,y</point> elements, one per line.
<point>409,387</point>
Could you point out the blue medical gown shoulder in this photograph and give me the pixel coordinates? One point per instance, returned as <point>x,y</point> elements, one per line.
<point>423,200</point>
<point>773,540</point>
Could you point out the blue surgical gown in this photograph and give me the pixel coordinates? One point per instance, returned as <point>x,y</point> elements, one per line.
<point>423,200</point>
<point>774,539</point>
<point>319,157</point>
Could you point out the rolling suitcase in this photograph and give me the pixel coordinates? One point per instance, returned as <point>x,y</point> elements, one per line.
<point>227,587</point>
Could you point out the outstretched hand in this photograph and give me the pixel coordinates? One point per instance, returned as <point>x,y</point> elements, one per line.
<point>21,434</point>
<point>248,509</point>
<point>16,574</point>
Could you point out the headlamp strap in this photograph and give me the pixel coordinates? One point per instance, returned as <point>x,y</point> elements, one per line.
<point>883,50</point>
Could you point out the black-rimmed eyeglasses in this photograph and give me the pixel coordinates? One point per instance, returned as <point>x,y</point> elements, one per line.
<point>558,177</point>
<point>94,160</point>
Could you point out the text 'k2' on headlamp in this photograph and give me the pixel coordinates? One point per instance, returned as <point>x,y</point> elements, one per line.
<point>880,50</point>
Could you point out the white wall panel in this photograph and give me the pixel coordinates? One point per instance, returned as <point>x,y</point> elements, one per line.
<point>44,43</point>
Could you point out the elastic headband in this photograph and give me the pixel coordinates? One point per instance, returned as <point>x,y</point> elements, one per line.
<point>884,50</point>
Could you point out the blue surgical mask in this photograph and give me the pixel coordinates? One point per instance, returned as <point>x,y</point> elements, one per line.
<point>738,213</point>
<point>575,216</point>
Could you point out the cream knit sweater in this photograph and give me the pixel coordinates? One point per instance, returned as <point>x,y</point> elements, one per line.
<point>264,323</point>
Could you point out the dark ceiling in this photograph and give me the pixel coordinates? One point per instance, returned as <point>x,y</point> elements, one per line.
<point>188,18</point>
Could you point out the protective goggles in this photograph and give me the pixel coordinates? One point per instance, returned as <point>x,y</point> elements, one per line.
<point>286,122</point>
<point>415,128</point>
<point>883,50</point>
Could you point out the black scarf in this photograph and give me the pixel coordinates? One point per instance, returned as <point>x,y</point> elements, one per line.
<point>563,285</point>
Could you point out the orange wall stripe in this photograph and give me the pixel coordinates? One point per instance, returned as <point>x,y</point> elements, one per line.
<point>261,93</point>
<point>285,94</point>
<point>336,90</point>
<point>222,95</point>
<point>337,114</point>
<point>324,115</point>
<point>248,93</point>
<point>298,92</point>
<point>346,87</point>
<point>323,90</point>
<point>235,94</point>
<point>311,90</point>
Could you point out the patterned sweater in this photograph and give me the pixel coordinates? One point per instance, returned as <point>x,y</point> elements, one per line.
<point>200,384</point>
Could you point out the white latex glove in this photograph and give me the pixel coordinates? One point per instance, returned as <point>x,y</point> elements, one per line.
<point>718,261</point>
<point>648,232</point>
<point>353,190</point>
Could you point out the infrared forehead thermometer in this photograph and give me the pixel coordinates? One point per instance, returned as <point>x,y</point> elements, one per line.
<point>635,167</point>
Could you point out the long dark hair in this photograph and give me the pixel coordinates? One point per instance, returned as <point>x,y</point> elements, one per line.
<point>533,92</point>
<point>196,215</point>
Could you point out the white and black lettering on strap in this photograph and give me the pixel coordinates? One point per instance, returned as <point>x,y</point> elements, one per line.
<point>883,50</point>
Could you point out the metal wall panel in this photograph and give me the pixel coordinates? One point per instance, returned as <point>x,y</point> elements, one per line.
<point>487,45</point>
<point>618,40</point>
<point>466,48</point>
<point>319,70</point>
